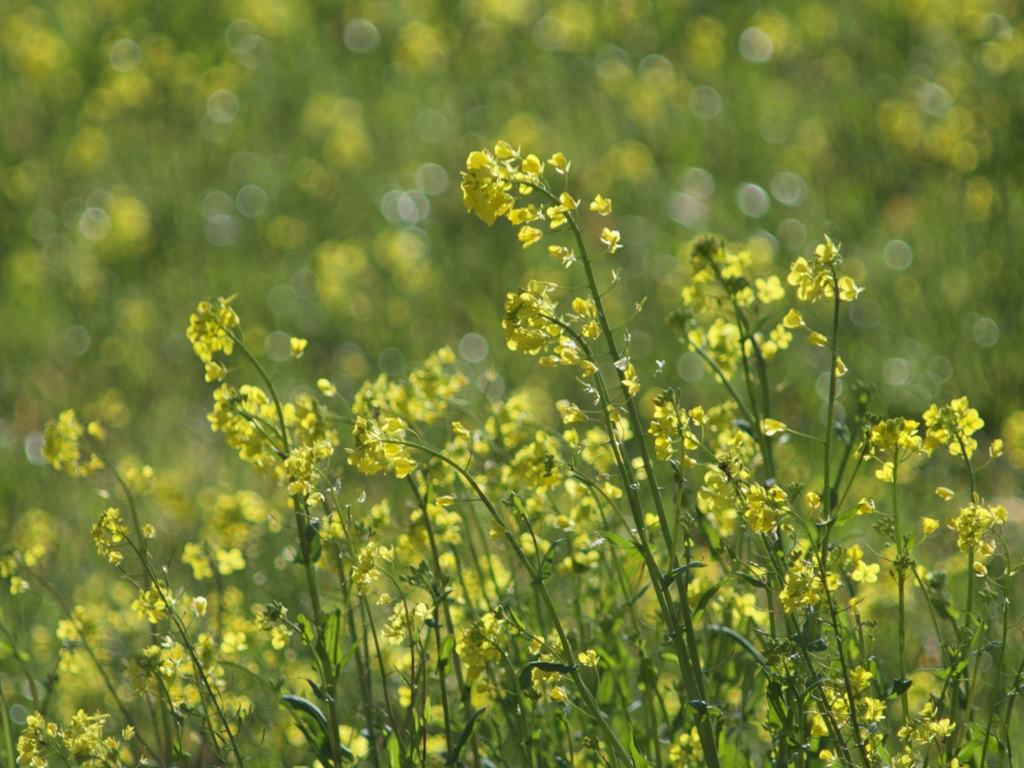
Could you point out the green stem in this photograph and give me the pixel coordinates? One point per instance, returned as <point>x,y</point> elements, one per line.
<point>687,649</point>
<point>901,578</point>
<point>538,583</point>
<point>302,516</point>
<point>1002,651</point>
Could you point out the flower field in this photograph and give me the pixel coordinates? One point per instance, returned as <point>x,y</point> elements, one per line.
<point>510,383</point>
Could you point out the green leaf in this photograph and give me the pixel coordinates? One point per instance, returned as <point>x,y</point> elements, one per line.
<point>467,731</point>
<point>317,690</point>
<point>668,578</point>
<point>544,571</point>
<point>178,751</point>
<point>746,644</point>
<point>445,654</point>
<point>313,724</point>
<point>639,758</point>
<point>751,580</point>
<point>308,635</point>
<point>311,721</point>
<point>394,751</point>
<point>329,638</point>
<point>705,598</point>
<point>617,540</point>
<point>314,546</point>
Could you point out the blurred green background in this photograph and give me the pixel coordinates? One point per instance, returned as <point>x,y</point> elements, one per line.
<point>305,155</point>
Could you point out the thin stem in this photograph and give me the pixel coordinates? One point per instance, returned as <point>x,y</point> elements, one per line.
<point>538,583</point>
<point>111,688</point>
<point>901,578</point>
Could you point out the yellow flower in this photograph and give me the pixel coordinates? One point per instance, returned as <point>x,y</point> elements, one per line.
<point>764,507</point>
<point>503,150</point>
<point>559,163</point>
<point>561,252</point>
<point>769,290</point>
<point>529,235</point>
<point>524,215</point>
<point>848,290</point>
<point>215,371</point>
<point>818,726</point>
<point>865,573</point>
<point>793,319</point>
<point>802,587</point>
<point>952,425</point>
<point>533,165</point>
<point>630,381</point>
<point>611,238</point>
<point>772,427</point>
<point>229,560</point>
<point>326,387</point>
<point>601,205</point>
<point>194,556</point>
<point>930,525</point>
<point>298,347</point>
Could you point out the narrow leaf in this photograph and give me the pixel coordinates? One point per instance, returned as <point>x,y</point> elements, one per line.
<point>467,731</point>
<point>552,666</point>
<point>329,636</point>
<point>668,578</point>
<point>638,757</point>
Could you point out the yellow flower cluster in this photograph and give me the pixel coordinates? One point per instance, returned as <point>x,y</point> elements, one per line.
<point>245,415</point>
<point>820,276</point>
<point>494,182</point>
<point>62,445</point>
<point>424,396</point>
<point>529,321</point>
<point>210,326</point>
<point>802,587</point>
<point>110,534</point>
<point>152,604</point>
<point>80,742</point>
<point>952,425</point>
<point>378,446</point>
<point>733,271</point>
<point>764,507</point>
<point>897,439</point>
<point>670,427</point>
<point>480,643</point>
<point>926,728</point>
<point>973,522</point>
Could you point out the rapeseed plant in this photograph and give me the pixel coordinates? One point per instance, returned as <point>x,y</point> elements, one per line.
<point>628,578</point>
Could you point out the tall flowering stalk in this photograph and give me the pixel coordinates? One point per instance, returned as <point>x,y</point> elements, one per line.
<point>502,184</point>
